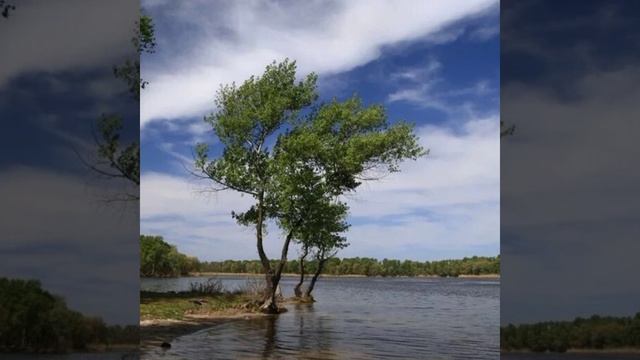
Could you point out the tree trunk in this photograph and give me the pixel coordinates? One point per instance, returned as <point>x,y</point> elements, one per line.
<point>270,306</point>
<point>312,284</point>
<point>269,303</point>
<point>298,289</point>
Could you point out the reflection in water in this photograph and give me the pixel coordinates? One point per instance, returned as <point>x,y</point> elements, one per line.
<point>73,356</point>
<point>356,318</point>
<point>567,356</point>
<point>270,337</point>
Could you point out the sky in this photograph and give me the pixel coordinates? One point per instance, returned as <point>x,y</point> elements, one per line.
<point>56,80</point>
<point>569,174</point>
<point>435,64</point>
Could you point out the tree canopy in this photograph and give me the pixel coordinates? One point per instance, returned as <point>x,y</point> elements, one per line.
<point>293,155</point>
<point>160,259</point>
<point>32,319</point>
<point>596,332</point>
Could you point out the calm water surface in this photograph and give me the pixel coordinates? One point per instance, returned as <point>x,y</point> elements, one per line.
<point>570,356</point>
<point>355,318</point>
<point>75,356</point>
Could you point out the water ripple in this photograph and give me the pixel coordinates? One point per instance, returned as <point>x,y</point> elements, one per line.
<point>359,318</point>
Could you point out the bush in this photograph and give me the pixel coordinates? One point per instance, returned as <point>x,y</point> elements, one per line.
<point>212,286</point>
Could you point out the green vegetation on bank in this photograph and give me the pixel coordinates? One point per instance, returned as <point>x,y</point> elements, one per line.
<point>202,299</point>
<point>476,265</point>
<point>160,259</point>
<point>154,306</point>
<point>33,320</point>
<point>596,332</point>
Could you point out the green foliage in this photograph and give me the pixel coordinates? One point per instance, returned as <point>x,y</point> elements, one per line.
<point>160,259</point>
<point>116,160</point>
<point>123,162</point>
<point>295,157</point>
<point>248,116</point>
<point>477,265</point>
<point>559,336</point>
<point>144,41</point>
<point>32,319</point>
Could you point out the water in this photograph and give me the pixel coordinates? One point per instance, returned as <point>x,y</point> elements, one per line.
<point>73,356</point>
<point>570,356</point>
<point>355,318</point>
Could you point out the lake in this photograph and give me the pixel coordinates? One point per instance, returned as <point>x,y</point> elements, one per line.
<point>74,356</point>
<point>355,318</point>
<point>569,356</point>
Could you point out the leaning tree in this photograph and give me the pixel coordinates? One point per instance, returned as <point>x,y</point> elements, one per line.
<point>288,154</point>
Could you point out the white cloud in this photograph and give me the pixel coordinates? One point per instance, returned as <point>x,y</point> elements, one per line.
<point>485,32</point>
<point>448,200</point>
<point>45,36</point>
<point>420,87</point>
<point>235,40</point>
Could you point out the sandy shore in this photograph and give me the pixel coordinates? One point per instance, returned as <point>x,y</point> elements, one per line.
<point>155,332</point>
<point>485,276</point>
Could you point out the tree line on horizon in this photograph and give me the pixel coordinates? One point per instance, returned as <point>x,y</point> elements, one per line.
<point>34,320</point>
<point>596,332</point>
<point>476,265</point>
<point>160,259</point>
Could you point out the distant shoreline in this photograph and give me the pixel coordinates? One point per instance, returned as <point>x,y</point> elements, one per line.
<point>482,276</point>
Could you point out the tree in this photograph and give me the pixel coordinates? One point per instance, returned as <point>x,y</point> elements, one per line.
<point>319,232</point>
<point>145,42</point>
<point>160,259</point>
<point>297,290</point>
<point>115,160</point>
<point>34,320</point>
<point>279,157</point>
<point>326,241</point>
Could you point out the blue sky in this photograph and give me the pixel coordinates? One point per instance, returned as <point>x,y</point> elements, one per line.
<point>55,82</point>
<point>431,63</point>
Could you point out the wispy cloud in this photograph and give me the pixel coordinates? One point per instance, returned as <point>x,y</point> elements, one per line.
<point>232,40</point>
<point>420,86</point>
<point>56,37</point>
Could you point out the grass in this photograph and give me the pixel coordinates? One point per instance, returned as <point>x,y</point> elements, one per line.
<point>202,299</point>
<point>177,306</point>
